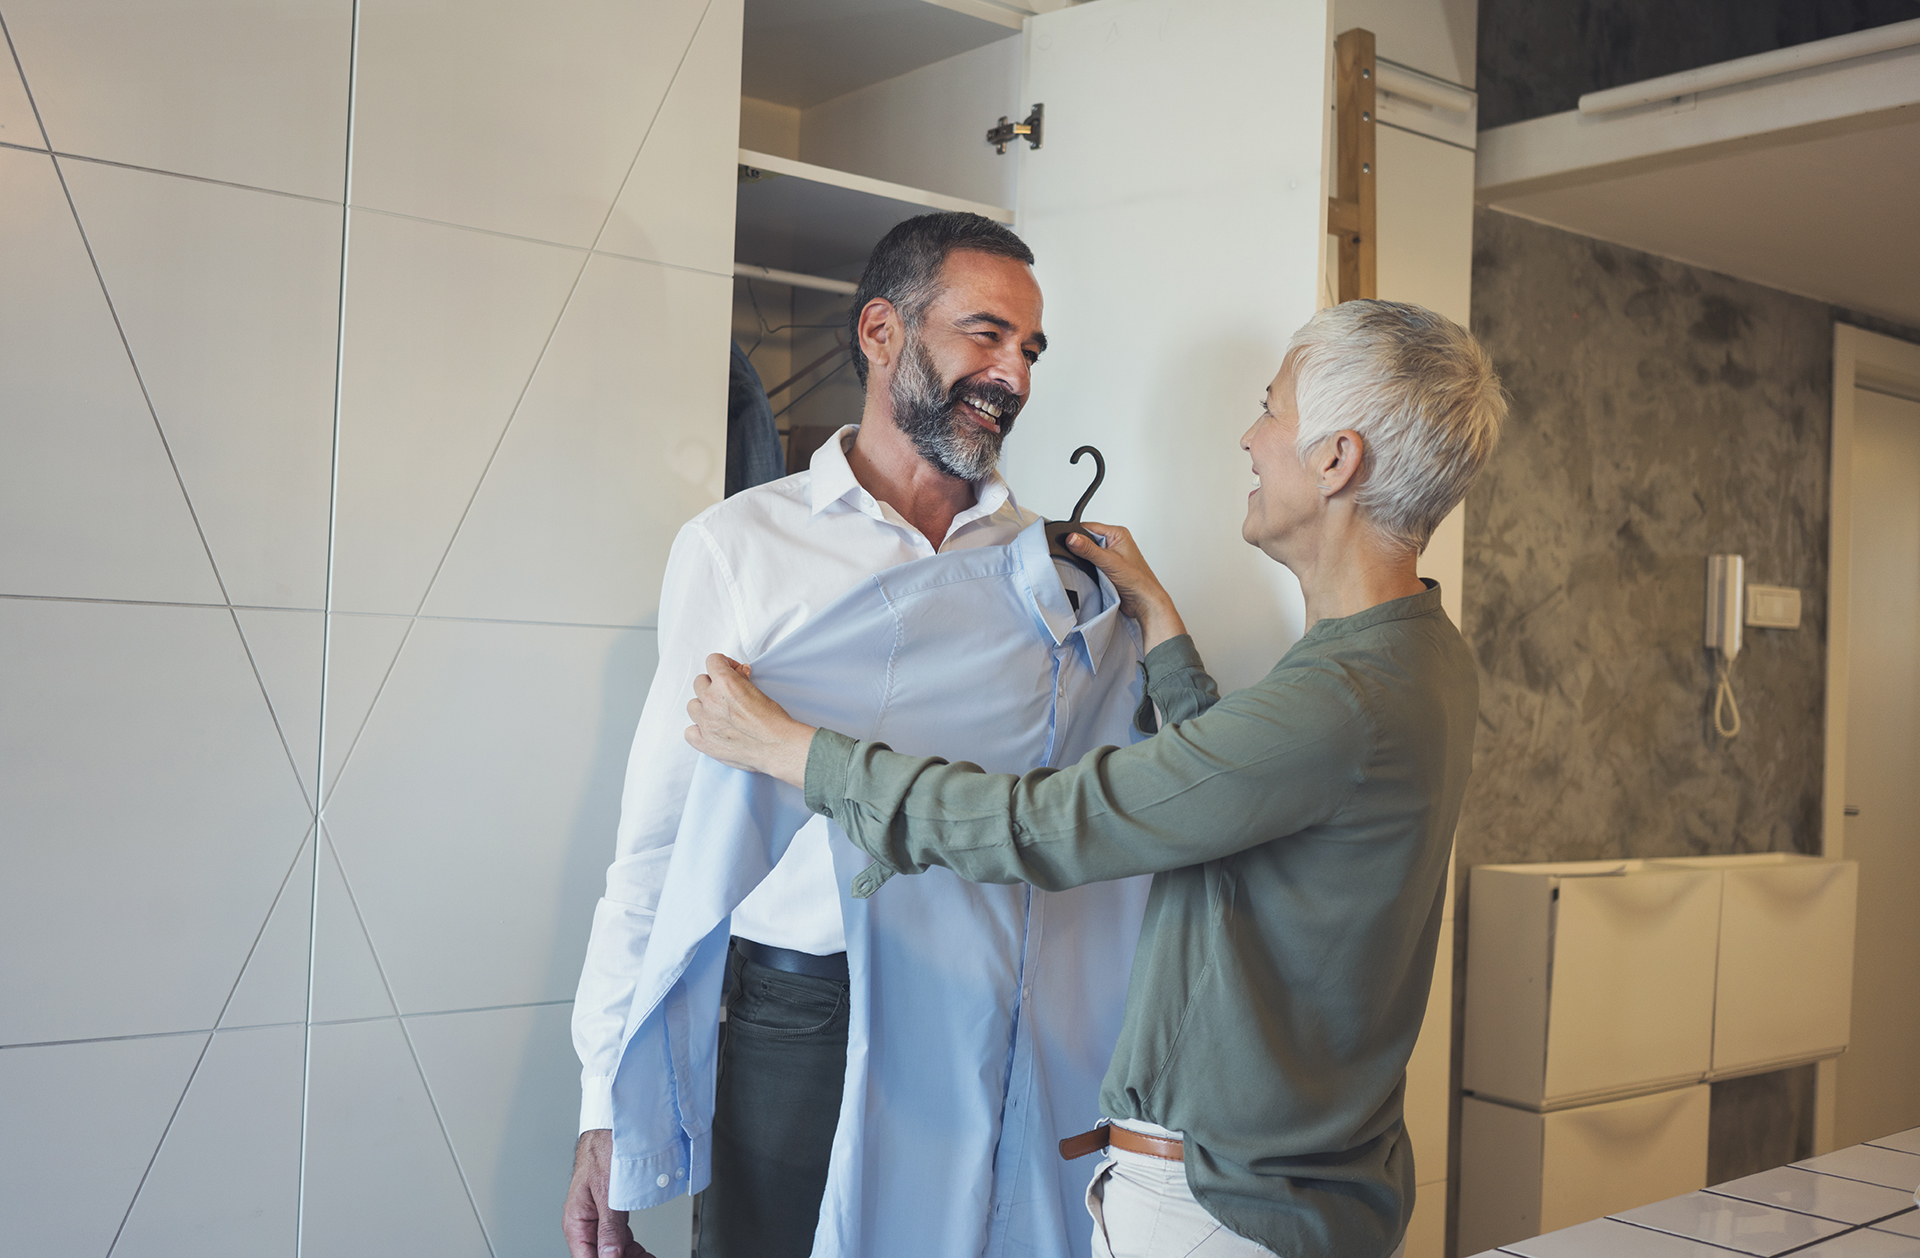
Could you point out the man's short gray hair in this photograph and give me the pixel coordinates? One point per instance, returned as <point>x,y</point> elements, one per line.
<point>1417,388</point>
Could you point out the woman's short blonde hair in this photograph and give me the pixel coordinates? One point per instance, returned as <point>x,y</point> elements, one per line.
<point>1417,388</point>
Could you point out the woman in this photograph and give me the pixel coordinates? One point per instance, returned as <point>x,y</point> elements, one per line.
<point>1298,830</point>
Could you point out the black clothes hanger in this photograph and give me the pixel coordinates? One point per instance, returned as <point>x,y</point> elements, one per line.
<point>1057,530</point>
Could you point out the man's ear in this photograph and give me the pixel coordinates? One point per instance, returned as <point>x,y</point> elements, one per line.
<point>879,330</point>
<point>1336,463</point>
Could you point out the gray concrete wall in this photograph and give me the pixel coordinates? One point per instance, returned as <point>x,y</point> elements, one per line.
<point>1660,414</point>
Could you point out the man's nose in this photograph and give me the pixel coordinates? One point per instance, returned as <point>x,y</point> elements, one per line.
<point>1011,368</point>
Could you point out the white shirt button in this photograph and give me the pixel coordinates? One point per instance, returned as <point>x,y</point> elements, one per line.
<point>663,1181</point>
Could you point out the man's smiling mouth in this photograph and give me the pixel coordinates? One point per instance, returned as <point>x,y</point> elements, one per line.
<point>986,413</point>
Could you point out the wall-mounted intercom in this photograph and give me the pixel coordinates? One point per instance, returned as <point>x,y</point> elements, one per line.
<point>1726,586</point>
<point>1725,606</point>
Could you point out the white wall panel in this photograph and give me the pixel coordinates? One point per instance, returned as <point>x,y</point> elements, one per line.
<point>361,652</point>
<point>347,982</point>
<point>677,203</point>
<point>273,986</point>
<point>149,812</point>
<point>514,117</point>
<point>621,439</point>
<point>476,819</point>
<point>17,124</point>
<point>89,504</point>
<point>507,1085</point>
<point>167,421</point>
<point>82,1124</point>
<point>443,329</point>
<point>380,1176</point>
<point>248,91</point>
<point>286,647</point>
<point>227,1177</point>
<point>230,301</point>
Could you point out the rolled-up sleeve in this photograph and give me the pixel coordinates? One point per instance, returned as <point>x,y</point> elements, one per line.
<point>1260,764</point>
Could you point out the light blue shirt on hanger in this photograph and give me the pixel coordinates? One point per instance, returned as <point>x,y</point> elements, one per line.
<point>982,1016</point>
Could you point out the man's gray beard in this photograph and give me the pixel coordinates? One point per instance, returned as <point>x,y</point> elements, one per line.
<point>929,414</point>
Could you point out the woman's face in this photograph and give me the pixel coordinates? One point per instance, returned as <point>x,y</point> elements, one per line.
<point>1283,499</point>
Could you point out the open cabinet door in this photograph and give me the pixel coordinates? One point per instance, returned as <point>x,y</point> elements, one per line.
<point>1176,209</point>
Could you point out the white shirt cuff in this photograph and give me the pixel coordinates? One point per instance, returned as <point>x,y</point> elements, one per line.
<point>596,1102</point>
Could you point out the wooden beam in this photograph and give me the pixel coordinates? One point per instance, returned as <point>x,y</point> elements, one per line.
<point>1351,211</point>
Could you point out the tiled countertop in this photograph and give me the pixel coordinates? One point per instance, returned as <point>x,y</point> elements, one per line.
<point>1851,1203</point>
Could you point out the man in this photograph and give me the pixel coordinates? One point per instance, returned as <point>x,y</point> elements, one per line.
<point>945,328</point>
<point>1297,830</point>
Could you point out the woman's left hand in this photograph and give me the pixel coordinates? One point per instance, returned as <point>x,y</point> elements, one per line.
<point>736,724</point>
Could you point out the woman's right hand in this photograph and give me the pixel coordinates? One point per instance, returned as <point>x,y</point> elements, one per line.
<point>1141,594</point>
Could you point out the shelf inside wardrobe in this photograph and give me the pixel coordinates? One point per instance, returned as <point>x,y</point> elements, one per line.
<point>794,216</point>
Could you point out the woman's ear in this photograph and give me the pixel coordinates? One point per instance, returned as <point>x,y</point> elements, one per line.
<point>1336,463</point>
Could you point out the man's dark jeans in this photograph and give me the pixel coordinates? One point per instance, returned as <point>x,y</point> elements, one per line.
<point>783,1061</point>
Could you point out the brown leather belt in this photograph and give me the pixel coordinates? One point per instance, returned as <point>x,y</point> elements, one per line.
<point>1120,1138</point>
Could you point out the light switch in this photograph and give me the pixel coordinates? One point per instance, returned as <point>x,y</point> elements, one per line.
<point>1773,607</point>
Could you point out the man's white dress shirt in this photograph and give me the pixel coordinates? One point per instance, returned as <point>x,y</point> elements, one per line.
<point>741,576</point>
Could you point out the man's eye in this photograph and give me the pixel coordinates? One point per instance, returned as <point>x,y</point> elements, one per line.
<point>1032,358</point>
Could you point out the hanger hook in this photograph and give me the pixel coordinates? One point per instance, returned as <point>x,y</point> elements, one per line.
<point>1099,474</point>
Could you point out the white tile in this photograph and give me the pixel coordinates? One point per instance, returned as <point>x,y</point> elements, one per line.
<point>1732,1224</point>
<point>1907,1224</point>
<point>1870,1165</point>
<point>286,648</point>
<point>1865,1243</point>
<point>149,815</point>
<point>230,301</point>
<point>227,1177</point>
<point>476,819</point>
<point>1906,1141</point>
<point>380,1176</point>
<point>252,93</point>
<point>82,1123</point>
<point>518,119</point>
<point>677,203</point>
<point>347,982</point>
<point>1823,1196</point>
<point>1605,1238</point>
<point>361,651</point>
<point>89,504</point>
<point>442,333</point>
<point>17,124</point>
<point>621,439</point>
<point>273,986</point>
<point>507,1085</point>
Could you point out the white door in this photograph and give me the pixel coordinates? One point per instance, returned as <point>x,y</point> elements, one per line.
<point>1879,1085</point>
<point>1175,210</point>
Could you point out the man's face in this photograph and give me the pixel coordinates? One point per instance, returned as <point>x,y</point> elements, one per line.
<point>965,372</point>
<point>1284,496</point>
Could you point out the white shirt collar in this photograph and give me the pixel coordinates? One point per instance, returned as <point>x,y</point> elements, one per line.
<point>831,480</point>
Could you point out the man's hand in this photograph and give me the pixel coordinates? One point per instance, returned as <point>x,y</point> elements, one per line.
<point>1141,594</point>
<point>592,1230</point>
<point>739,726</point>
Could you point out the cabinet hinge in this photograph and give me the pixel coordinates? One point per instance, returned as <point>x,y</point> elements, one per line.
<point>1007,132</point>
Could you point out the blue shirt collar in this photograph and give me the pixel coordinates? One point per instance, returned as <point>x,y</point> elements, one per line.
<point>1049,598</point>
